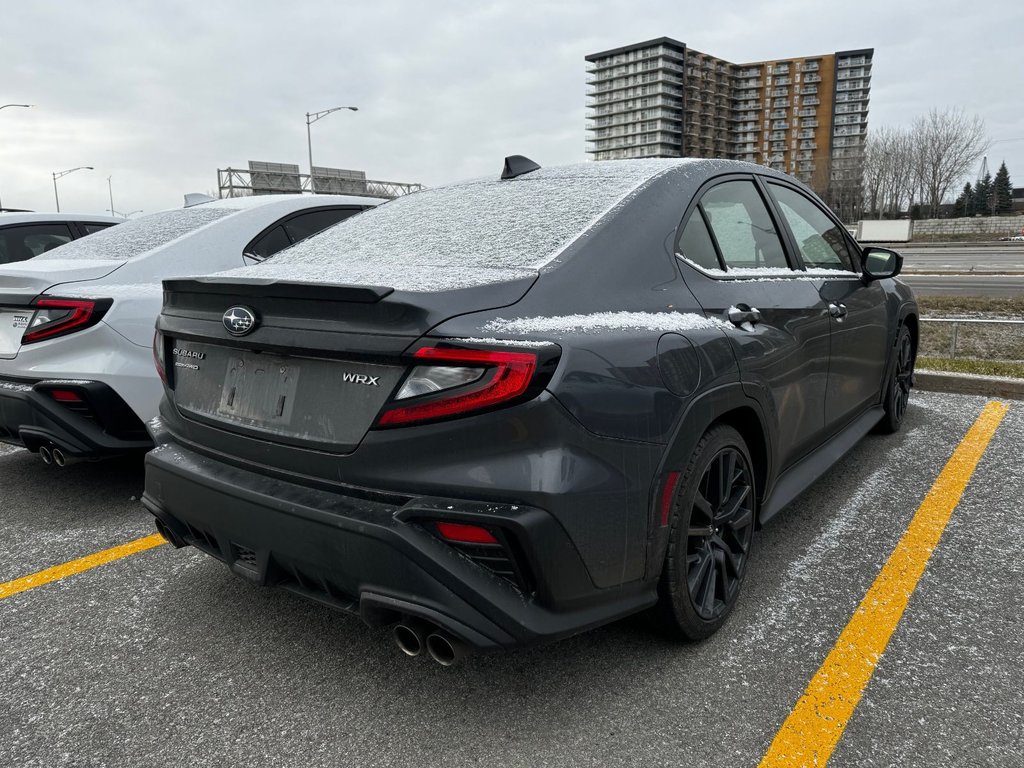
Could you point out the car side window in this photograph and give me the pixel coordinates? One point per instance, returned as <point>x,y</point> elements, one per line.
<point>269,244</point>
<point>21,243</point>
<point>742,227</point>
<point>302,226</point>
<point>695,243</point>
<point>820,240</point>
<point>91,227</point>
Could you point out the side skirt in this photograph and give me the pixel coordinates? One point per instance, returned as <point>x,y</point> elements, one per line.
<point>797,478</point>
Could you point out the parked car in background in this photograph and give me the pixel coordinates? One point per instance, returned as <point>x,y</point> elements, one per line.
<point>24,235</point>
<point>76,323</point>
<point>501,412</point>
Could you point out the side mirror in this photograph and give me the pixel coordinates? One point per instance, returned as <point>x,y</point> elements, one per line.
<point>880,263</point>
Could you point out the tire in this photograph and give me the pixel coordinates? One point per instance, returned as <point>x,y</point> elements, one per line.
<point>710,541</point>
<point>897,389</point>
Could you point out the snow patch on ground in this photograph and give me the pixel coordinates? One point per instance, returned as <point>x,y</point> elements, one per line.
<point>604,321</point>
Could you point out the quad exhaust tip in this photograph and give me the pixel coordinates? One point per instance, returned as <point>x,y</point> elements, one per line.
<point>413,637</point>
<point>45,455</point>
<point>444,649</point>
<point>409,638</point>
<point>58,457</point>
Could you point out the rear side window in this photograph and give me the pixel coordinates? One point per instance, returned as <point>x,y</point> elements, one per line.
<point>301,227</point>
<point>91,227</point>
<point>269,244</point>
<point>742,227</point>
<point>695,243</point>
<point>25,242</point>
<point>818,238</point>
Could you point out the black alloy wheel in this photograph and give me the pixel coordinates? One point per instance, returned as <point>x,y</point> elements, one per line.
<point>900,381</point>
<point>711,537</point>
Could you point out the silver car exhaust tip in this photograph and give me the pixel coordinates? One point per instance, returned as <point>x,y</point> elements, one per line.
<point>58,457</point>
<point>446,650</point>
<point>45,455</point>
<point>409,637</point>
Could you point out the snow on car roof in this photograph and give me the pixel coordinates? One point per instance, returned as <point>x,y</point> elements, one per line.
<point>468,233</point>
<point>137,236</point>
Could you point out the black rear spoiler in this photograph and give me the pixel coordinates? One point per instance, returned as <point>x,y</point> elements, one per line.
<point>279,289</point>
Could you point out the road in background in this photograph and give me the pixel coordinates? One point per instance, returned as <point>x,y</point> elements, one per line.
<point>995,270</point>
<point>1006,257</point>
<point>991,286</point>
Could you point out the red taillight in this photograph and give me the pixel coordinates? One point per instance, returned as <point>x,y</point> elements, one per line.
<point>465,534</point>
<point>668,493</point>
<point>65,396</point>
<point>56,317</point>
<point>509,377</point>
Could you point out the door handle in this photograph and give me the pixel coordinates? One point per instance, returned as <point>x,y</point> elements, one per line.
<point>741,313</point>
<point>838,311</point>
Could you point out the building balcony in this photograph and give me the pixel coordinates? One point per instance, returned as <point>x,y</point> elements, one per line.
<point>853,62</point>
<point>812,101</point>
<point>808,145</point>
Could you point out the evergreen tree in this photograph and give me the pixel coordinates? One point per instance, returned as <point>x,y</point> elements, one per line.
<point>964,205</point>
<point>1002,191</point>
<point>983,195</point>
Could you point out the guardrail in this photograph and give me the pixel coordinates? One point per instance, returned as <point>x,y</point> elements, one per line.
<point>956,321</point>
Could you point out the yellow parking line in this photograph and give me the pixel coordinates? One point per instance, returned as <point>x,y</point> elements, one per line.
<point>815,725</point>
<point>81,564</point>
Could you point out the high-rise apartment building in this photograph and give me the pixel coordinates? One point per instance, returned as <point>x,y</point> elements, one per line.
<point>805,115</point>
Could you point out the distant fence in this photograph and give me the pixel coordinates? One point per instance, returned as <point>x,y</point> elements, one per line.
<point>1006,343</point>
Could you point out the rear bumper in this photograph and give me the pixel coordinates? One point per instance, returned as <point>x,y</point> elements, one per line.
<point>373,554</point>
<point>101,424</point>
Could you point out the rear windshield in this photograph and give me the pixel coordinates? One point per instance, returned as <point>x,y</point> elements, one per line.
<point>517,224</point>
<point>136,236</point>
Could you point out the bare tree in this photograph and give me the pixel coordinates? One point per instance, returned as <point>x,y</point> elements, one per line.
<point>946,144</point>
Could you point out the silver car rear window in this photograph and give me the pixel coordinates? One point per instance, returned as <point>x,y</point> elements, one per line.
<point>137,236</point>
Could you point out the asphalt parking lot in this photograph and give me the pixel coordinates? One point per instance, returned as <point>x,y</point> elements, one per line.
<point>163,658</point>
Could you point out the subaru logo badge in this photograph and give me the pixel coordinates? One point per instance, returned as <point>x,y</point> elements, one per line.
<point>239,321</point>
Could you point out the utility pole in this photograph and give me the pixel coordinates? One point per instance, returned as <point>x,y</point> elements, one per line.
<point>312,117</point>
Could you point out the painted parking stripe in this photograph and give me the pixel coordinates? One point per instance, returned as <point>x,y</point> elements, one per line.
<point>81,564</point>
<point>814,727</point>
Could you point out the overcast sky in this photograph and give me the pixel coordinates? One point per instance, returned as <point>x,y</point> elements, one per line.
<point>160,95</point>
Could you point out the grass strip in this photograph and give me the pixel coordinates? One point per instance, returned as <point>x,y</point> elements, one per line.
<point>970,365</point>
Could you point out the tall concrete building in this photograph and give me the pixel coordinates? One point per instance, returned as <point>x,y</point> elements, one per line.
<point>805,115</point>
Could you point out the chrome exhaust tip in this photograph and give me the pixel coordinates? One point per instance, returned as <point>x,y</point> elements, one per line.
<point>409,638</point>
<point>445,650</point>
<point>45,455</point>
<point>58,457</point>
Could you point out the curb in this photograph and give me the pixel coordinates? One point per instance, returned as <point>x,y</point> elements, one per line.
<point>969,384</point>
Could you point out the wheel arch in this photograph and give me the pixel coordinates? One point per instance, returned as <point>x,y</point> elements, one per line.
<point>728,404</point>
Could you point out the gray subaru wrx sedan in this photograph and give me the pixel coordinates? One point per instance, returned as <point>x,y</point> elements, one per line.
<point>504,411</point>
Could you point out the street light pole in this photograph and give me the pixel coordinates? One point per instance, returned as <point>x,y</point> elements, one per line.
<point>62,174</point>
<point>312,117</point>
<point>110,189</point>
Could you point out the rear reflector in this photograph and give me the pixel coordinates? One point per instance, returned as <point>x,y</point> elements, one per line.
<point>668,493</point>
<point>65,396</point>
<point>465,534</point>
